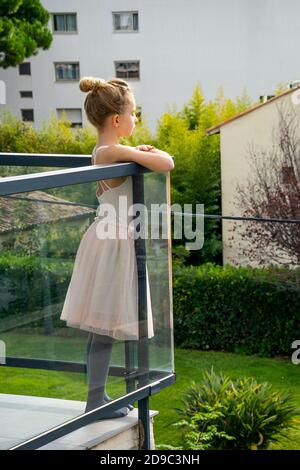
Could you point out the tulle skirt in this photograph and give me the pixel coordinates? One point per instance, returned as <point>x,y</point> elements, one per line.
<point>102,296</point>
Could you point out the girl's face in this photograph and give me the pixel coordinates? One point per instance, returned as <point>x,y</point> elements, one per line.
<point>128,119</point>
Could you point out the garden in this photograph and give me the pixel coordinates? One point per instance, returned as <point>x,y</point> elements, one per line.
<point>236,385</point>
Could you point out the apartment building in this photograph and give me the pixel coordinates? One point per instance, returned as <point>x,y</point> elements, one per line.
<point>161,47</point>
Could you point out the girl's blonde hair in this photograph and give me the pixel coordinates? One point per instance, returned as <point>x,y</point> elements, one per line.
<point>106,97</point>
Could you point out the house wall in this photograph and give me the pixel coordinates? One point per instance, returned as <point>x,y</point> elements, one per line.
<point>255,128</point>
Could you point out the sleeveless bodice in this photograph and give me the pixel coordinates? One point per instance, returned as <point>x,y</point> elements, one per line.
<point>119,197</point>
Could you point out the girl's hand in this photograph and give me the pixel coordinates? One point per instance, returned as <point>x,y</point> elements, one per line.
<point>145,148</point>
<point>152,149</point>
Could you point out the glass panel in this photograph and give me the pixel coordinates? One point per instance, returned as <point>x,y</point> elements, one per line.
<point>127,70</point>
<point>126,21</point>
<point>135,22</point>
<point>67,71</point>
<point>14,170</point>
<point>75,71</point>
<point>117,21</point>
<point>26,94</point>
<point>158,262</point>
<point>25,68</point>
<point>73,115</point>
<point>71,22</point>
<point>121,70</point>
<point>133,70</point>
<point>59,69</point>
<point>62,285</point>
<point>59,23</point>
<point>27,115</point>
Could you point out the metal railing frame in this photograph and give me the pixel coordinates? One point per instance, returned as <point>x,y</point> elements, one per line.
<point>80,170</point>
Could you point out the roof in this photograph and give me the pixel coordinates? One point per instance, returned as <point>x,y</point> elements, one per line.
<point>216,129</point>
<point>21,214</point>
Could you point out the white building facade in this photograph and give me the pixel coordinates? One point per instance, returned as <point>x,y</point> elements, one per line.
<point>163,48</point>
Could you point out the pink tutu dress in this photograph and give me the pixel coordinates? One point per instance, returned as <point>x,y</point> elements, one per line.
<point>102,296</point>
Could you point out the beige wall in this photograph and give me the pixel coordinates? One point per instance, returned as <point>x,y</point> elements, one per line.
<point>255,127</point>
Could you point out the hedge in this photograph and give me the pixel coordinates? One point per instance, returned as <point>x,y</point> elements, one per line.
<point>28,283</point>
<point>244,309</point>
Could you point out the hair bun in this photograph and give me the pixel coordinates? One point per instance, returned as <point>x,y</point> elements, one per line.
<point>91,84</point>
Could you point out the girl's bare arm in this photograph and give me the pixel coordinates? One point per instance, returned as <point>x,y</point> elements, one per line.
<point>154,159</point>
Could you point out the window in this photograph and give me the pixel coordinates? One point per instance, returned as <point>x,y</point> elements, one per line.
<point>27,115</point>
<point>66,71</point>
<point>25,69</point>
<point>26,94</point>
<point>64,22</point>
<point>127,69</point>
<point>74,115</point>
<point>125,21</point>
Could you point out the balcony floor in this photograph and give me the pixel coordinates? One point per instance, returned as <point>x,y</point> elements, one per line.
<point>23,417</point>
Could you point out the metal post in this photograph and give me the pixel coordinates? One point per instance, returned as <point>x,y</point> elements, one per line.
<point>144,424</point>
<point>130,372</point>
<point>143,345</point>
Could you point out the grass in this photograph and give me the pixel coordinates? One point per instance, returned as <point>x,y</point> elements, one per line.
<point>189,365</point>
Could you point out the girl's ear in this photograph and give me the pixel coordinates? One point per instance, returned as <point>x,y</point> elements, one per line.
<point>116,120</point>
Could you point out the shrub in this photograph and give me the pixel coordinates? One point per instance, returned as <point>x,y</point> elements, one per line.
<point>242,310</point>
<point>241,414</point>
<point>30,284</point>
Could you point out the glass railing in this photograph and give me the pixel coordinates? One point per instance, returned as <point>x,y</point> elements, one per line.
<point>52,260</point>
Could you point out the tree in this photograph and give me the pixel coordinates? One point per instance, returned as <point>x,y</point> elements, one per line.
<point>23,30</point>
<point>196,177</point>
<point>244,101</point>
<point>272,191</point>
<point>195,108</point>
<point>281,87</point>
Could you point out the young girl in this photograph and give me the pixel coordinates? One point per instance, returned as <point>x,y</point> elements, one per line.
<point>102,297</point>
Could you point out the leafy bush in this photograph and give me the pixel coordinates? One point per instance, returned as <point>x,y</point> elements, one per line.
<point>242,310</point>
<point>240,414</point>
<point>55,136</point>
<point>30,284</point>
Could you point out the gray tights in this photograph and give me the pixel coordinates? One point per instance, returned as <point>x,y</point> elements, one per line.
<point>99,349</point>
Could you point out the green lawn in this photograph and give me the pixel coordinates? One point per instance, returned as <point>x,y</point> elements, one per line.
<point>189,365</point>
